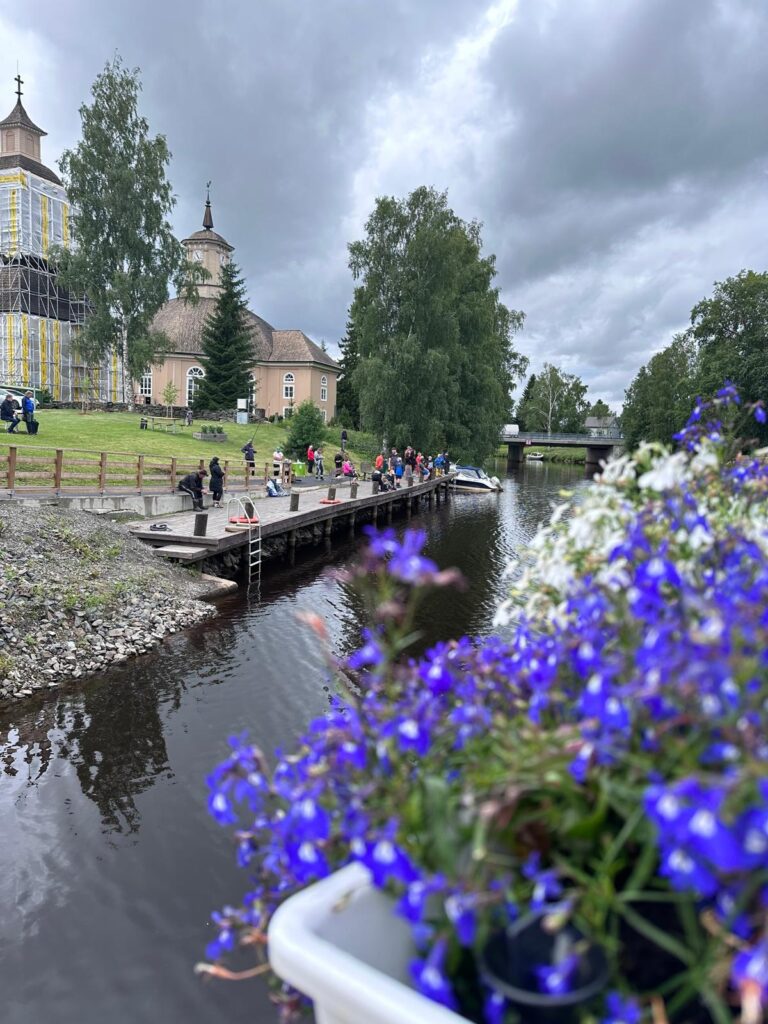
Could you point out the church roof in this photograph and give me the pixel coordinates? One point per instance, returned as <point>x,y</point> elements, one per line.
<point>183,323</point>
<point>207,235</point>
<point>296,347</point>
<point>19,118</point>
<point>11,160</point>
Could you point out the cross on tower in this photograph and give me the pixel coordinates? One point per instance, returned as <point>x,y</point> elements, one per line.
<point>19,82</point>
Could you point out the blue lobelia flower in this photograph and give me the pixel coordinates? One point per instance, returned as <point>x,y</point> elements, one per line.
<point>430,977</point>
<point>621,1010</point>
<point>557,979</point>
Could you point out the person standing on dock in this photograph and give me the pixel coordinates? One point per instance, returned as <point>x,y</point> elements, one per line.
<point>311,460</point>
<point>192,484</point>
<point>319,467</point>
<point>217,481</point>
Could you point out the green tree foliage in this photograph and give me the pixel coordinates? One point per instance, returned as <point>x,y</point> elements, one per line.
<point>305,427</point>
<point>126,254</point>
<point>731,330</point>
<point>170,394</point>
<point>524,402</point>
<point>347,401</point>
<point>599,409</point>
<point>227,355</point>
<point>556,403</point>
<point>436,363</point>
<point>662,394</point>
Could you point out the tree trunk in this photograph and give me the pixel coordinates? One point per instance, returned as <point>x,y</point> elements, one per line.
<point>127,382</point>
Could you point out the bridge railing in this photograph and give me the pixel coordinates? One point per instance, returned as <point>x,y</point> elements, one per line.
<point>585,439</point>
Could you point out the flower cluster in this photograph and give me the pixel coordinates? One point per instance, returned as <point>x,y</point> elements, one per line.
<point>607,764</point>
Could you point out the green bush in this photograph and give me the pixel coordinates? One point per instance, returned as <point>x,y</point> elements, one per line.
<point>360,441</point>
<point>306,427</point>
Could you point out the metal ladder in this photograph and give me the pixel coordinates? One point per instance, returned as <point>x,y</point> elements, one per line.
<point>238,508</point>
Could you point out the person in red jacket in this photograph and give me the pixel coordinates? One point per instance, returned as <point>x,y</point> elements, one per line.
<point>311,460</point>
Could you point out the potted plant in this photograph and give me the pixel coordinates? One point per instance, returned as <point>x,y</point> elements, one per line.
<point>571,823</point>
<point>210,433</point>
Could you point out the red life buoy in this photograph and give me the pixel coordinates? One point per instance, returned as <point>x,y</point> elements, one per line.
<point>330,501</point>
<point>243,520</point>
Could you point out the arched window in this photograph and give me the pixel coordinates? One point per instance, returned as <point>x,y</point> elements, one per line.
<point>194,375</point>
<point>145,386</point>
<point>288,384</point>
<point>323,388</point>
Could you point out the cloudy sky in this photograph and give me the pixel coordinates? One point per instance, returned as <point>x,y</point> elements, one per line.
<point>616,151</point>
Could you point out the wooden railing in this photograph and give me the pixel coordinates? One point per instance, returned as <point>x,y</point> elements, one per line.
<point>77,469</point>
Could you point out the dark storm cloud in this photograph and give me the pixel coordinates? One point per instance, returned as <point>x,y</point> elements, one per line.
<point>616,150</point>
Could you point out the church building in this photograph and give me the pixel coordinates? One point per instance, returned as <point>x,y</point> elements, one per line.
<point>38,319</point>
<point>288,367</point>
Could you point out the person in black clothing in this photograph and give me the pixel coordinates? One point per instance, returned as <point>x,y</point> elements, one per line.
<point>192,484</point>
<point>8,414</point>
<point>338,460</point>
<point>250,456</point>
<point>217,481</point>
<point>344,440</point>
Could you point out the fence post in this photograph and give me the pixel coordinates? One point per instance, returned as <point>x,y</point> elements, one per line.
<point>102,471</point>
<point>173,474</point>
<point>140,474</point>
<point>57,467</point>
<point>11,468</point>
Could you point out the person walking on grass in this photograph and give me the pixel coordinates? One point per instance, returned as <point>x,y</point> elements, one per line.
<point>28,412</point>
<point>8,414</point>
<point>217,481</point>
<point>192,484</point>
<point>319,467</point>
<point>250,456</point>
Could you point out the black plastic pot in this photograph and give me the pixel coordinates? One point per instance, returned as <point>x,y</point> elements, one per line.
<point>508,964</point>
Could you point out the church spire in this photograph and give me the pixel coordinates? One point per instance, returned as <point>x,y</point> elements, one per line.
<point>208,215</point>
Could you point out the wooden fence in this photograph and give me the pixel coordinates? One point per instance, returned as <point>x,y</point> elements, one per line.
<point>82,470</point>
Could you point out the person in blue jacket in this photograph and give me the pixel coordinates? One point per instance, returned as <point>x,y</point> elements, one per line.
<point>28,412</point>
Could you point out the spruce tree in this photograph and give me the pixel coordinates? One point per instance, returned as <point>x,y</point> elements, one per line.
<point>347,400</point>
<point>228,355</point>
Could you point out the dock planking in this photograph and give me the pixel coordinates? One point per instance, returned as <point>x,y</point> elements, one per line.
<point>276,517</point>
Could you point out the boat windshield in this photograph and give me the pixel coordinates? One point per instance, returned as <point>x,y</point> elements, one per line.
<point>472,471</point>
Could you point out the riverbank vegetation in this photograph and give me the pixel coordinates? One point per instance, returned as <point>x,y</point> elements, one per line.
<point>726,340</point>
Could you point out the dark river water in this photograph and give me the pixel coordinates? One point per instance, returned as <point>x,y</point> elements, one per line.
<point>109,863</point>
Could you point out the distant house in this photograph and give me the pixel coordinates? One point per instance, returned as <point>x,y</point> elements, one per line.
<point>602,426</point>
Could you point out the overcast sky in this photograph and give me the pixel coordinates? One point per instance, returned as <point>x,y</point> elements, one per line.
<point>616,151</point>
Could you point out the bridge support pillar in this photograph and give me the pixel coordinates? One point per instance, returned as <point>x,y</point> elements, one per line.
<point>597,453</point>
<point>514,452</point>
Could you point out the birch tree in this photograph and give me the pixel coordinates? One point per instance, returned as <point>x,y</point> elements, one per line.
<point>125,255</point>
<point>435,360</point>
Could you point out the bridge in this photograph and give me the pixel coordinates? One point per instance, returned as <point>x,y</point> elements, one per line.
<point>598,448</point>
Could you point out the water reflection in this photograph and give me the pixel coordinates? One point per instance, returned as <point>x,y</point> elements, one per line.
<point>109,863</point>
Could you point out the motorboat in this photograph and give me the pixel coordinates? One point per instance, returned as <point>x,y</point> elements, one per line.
<point>473,480</point>
<point>534,456</point>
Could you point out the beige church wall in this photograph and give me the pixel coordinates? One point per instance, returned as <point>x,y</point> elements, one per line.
<point>172,369</point>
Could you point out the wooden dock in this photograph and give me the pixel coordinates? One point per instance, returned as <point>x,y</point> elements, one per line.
<point>276,518</point>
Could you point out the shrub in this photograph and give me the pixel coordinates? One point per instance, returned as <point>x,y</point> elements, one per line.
<point>607,765</point>
<point>306,427</point>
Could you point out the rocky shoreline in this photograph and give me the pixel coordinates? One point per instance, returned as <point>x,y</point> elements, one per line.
<point>80,594</point>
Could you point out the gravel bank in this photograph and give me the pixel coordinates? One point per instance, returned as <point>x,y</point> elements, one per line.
<point>79,594</point>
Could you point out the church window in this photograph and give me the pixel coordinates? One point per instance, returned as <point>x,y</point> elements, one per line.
<point>288,386</point>
<point>194,375</point>
<point>145,384</point>
<point>323,388</point>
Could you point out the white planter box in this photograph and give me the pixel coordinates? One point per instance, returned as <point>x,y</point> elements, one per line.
<point>339,943</point>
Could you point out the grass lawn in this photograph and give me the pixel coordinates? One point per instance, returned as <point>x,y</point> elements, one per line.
<point>119,432</point>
